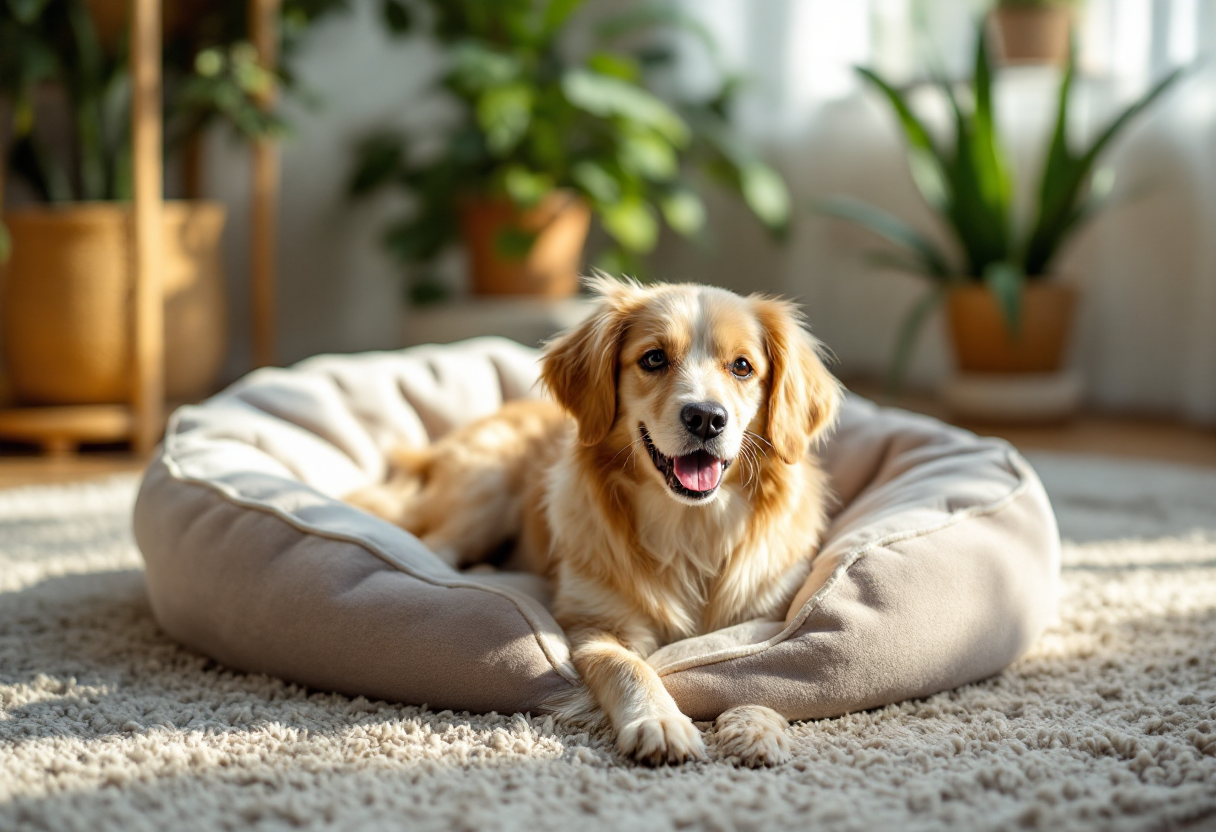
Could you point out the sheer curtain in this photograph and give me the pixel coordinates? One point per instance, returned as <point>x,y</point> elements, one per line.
<point>1146,335</point>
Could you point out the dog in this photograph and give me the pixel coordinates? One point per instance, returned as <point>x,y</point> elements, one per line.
<point>668,488</point>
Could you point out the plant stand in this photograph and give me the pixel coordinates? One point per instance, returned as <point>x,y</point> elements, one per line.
<point>59,430</point>
<point>1014,398</point>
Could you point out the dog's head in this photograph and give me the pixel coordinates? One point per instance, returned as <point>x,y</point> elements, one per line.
<point>697,376</point>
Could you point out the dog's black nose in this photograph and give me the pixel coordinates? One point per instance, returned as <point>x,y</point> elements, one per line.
<point>704,419</point>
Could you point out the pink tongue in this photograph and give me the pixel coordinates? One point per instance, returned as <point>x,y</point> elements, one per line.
<point>698,471</point>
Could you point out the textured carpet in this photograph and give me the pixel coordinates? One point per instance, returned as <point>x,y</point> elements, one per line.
<point>1109,722</point>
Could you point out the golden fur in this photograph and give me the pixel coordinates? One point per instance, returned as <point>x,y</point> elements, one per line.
<point>635,562</point>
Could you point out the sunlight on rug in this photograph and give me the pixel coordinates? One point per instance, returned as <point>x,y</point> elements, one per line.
<point>1109,723</point>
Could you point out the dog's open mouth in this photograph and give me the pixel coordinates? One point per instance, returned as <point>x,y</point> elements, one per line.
<point>696,475</point>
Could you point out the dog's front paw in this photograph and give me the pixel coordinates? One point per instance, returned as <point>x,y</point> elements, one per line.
<point>661,739</point>
<point>754,735</point>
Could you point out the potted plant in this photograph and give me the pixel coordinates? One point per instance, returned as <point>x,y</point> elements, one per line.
<point>64,307</point>
<point>1007,309</point>
<point>548,136</point>
<point>1033,31</point>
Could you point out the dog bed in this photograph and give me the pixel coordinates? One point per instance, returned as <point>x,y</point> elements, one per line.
<point>940,566</point>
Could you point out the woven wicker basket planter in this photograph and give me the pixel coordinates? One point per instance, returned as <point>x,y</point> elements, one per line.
<point>65,302</point>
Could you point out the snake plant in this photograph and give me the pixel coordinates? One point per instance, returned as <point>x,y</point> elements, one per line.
<point>969,184</point>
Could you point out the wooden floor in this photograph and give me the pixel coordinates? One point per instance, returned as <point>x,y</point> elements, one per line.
<point>1089,434</point>
<point>23,466</point>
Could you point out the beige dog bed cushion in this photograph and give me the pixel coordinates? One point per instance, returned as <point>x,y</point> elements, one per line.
<point>940,567</point>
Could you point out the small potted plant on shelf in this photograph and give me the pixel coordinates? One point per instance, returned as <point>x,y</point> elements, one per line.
<point>1008,310</point>
<point>1033,31</point>
<point>64,253</point>
<point>548,137</point>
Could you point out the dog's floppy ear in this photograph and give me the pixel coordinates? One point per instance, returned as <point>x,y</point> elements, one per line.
<point>803,395</point>
<point>580,365</point>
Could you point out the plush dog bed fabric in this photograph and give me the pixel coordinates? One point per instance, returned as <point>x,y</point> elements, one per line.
<point>940,567</point>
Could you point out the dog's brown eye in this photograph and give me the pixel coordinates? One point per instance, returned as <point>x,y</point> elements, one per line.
<point>654,360</point>
<point>741,368</point>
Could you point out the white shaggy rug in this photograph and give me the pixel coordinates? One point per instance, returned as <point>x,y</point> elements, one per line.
<point>1108,724</point>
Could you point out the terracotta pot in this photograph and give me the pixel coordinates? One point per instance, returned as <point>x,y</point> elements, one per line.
<point>550,268</point>
<point>1032,34</point>
<point>65,302</point>
<point>983,343</point>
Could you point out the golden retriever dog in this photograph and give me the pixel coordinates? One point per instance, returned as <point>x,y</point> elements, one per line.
<point>668,489</point>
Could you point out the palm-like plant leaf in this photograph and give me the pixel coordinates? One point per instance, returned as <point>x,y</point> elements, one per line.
<point>924,159</point>
<point>925,253</point>
<point>1065,174</point>
<point>970,186</point>
<point>981,191</point>
<point>1005,280</point>
<point>909,331</point>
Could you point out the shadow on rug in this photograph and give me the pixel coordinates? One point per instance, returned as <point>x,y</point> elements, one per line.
<point>1108,723</point>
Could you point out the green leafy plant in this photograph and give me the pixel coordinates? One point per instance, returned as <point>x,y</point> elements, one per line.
<point>968,183</point>
<point>210,74</point>
<point>535,117</point>
<point>1038,4</point>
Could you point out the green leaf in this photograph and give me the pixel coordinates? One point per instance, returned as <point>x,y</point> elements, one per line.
<point>475,67</point>
<point>1065,174</point>
<point>85,87</point>
<point>632,223</point>
<point>428,290</point>
<point>596,181</point>
<point>27,11</point>
<point>683,210</point>
<point>378,160</point>
<point>30,161</point>
<point>1129,114</point>
<point>617,65</point>
<point>644,19</point>
<point>608,97</point>
<point>980,184</point>
<point>927,175</point>
<point>647,155</point>
<point>504,114</point>
<point>514,243</point>
<point>557,12</point>
<point>765,193</point>
<point>397,17</point>
<point>421,238</point>
<point>924,159</point>
<point>210,62</point>
<point>909,333</point>
<point>1006,281</point>
<point>526,187</point>
<point>615,260</point>
<point>891,228</point>
<point>6,244</point>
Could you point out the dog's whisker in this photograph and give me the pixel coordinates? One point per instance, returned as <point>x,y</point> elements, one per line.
<point>632,445</point>
<point>753,467</point>
<point>756,439</point>
<point>751,452</point>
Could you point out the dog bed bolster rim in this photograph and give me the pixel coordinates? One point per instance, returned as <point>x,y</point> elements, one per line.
<point>226,492</point>
<point>1017,464</point>
<point>564,669</point>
